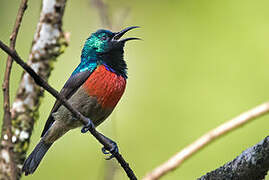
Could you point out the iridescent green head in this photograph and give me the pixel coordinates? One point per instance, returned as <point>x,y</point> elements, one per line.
<point>106,47</point>
<point>105,41</point>
<point>99,41</point>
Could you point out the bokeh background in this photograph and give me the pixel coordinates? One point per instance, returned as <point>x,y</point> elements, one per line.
<point>200,63</point>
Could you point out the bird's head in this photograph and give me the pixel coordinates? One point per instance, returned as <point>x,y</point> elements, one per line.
<point>104,41</point>
<point>106,47</point>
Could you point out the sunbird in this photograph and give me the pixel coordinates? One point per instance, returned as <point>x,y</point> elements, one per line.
<point>94,89</point>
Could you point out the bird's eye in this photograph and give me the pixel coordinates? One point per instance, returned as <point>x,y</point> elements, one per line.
<point>104,38</point>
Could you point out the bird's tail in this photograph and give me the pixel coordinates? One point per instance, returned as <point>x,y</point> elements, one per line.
<point>32,162</point>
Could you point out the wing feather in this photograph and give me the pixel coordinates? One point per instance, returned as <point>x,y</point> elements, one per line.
<point>70,87</point>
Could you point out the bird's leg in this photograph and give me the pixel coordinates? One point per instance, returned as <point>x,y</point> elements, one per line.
<point>86,128</point>
<point>113,148</point>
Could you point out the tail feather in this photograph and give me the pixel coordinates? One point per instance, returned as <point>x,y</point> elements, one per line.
<point>32,162</point>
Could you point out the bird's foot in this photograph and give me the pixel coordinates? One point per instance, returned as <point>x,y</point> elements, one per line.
<point>87,127</point>
<point>113,150</point>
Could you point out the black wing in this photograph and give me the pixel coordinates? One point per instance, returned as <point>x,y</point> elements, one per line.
<point>70,87</point>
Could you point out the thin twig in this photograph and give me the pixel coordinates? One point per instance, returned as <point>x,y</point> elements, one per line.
<point>41,82</point>
<point>121,16</point>
<point>103,13</point>
<point>176,160</point>
<point>48,43</point>
<point>107,22</point>
<point>9,169</point>
<point>110,170</point>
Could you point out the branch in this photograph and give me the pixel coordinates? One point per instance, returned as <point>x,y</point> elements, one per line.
<point>41,82</point>
<point>176,160</point>
<point>49,42</point>
<point>8,168</point>
<point>103,12</point>
<point>110,167</point>
<point>253,163</point>
<point>107,22</point>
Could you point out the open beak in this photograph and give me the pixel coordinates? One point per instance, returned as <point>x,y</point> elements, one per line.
<point>118,35</point>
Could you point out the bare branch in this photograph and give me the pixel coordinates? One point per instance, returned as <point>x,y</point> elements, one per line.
<point>49,42</point>
<point>253,163</point>
<point>41,82</point>
<point>8,168</point>
<point>103,12</point>
<point>176,160</point>
<point>121,16</point>
<point>116,19</point>
<point>110,170</point>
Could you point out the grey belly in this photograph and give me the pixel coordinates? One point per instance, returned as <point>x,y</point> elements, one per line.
<point>86,105</point>
<point>64,120</point>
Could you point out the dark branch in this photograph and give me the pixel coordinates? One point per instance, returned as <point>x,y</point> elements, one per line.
<point>10,169</point>
<point>253,163</point>
<point>75,112</point>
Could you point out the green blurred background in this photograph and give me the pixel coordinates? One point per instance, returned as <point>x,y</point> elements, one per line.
<point>200,63</point>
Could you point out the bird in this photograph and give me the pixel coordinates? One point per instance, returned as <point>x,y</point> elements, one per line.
<point>94,89</point>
